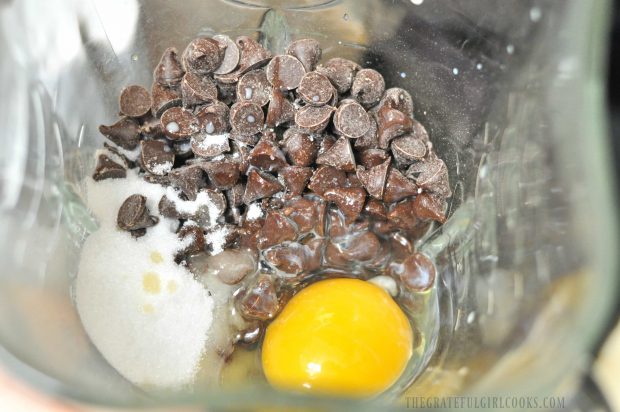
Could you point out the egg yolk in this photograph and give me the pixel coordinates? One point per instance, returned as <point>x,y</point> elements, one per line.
<point>340,337</point>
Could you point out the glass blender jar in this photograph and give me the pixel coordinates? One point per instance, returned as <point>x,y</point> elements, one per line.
<point>510,92</point>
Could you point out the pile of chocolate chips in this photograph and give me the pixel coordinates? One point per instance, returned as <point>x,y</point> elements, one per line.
<point>305,165</point>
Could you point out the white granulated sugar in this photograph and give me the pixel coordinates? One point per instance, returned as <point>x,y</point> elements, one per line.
<point>148,316</point>
<point>132,155</point>
<point>162,168</point>
<point>217,239</point>
<point>190,207</point>
<point>214,140</point>
<point>255,211</point>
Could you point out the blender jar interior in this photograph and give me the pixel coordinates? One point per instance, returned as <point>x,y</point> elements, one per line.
<point>509,91</point>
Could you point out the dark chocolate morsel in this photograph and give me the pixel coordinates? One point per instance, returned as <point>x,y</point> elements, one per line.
<point>295,178</point>
<point>391,123</point>
<point>260,185</point>
<point>203,55</point>
<point>254,87</point>
<point>368,87</point>
<point>398,187</point>
<point>179,123</point>
<point>135,101</point>
<point>372,157</point>
<point>163,98</point>
<point>231,55</point>
<point>326,177</point>
<point>224,174</point>
<point>340,156</point>
<point>374,179</point>
<point>267,156</point>
<point>206,145</point>
<point>133,214</point>
<point>316,89</point>
<point>108,169</point>
<point>196,89</point>
<point>169,71</point>
<point>285,72</point>
<point>427,206</point>
<point>351,120</point>
<point>307,51</point>
<point>417,272</point>
<point>340,73</point>
<point>260,301</point>
<point>246,118</point>
<point>312,118</point>
<point>124,133</point>
<point>213,118</point>
<point>301,148</point>
<point>408,148</point>
<point>157,158</point>
<point>350,200</point>
<point>189,179</point>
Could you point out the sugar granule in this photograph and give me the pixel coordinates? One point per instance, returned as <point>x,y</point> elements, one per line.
<point>147,315</point>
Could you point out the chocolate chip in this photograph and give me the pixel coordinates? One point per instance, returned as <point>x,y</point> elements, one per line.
<point>340,156</point>
<point>295,178</point>
<point>252,56</point>
<point>361,247</point>
<point>210,206</point>
<point>168,209</point>
<point>353,181</point>
<point>403,215</point>
<point>151,128</point>
<point>193,236</point>
<point>267,156</point>
<point>205,145</point>
<point>169,71</point>
<point>417,272</point>
<point>326,142</point>
<point>432,175</point>
<point>213,118</point>
<point>231,55</point>
<point>419,132</point>
<point>289,259</point>
<point>203,55</point>
<point>312,118</point>
<point>179,123</point>
<point>427,206</point>
<point>156,156</point>
<point>189,179</point>
<point>241,154</point>
<point>400,246</point>
<point>407,149</point>
<point>260,185</point>
<point>197,89</point>
<point>350,200</point>
<point>315,89</point>
<point>375,178</point>
<point>246,139</point>
<point>307,51</point>
<point>370,139</point>
<point>285,72</point>
<point>326,177</point>
<point>399,99</point>
<point>223,174</point>
<point>133,214</point>
<point>340,73</point>
<point>368,87</point>
<point>276,229</point>
<point>156,180</point>
<point>307,214</point>
<point>135,101</point>
<point>261,300</point>
<point>372,157</point>
<point>124,133</point>
<point>280,109</point>
<point>235,195</point>
<point>375,208</point>
<point>301,149</point>
<point>163,98</point>
<point>246,118</point>
<point>249,232</point>
<point>398,187</point>
<point>351,120</point>
<point>391,123</point>
<point>254,87</point>
<point>108,169</point>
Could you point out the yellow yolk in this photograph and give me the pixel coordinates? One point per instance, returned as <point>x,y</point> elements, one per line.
<point>340,337</point>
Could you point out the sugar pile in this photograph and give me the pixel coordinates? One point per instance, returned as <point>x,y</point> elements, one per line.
<point>148,316</point>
